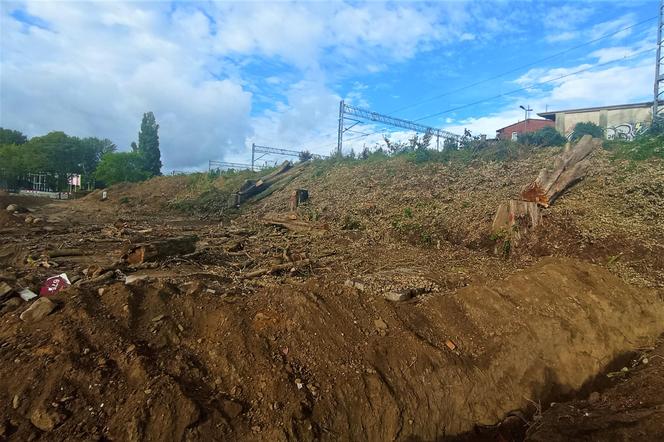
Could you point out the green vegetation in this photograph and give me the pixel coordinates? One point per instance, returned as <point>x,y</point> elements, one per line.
<point>350,223</point>
<point>546,136</point>
<point>57,155</point>
<point>588,128</point>
<point>644,147</point>
<point>121,167</point>
<point>148,145</point>
<point>9,136</point>
<point>210,192</point>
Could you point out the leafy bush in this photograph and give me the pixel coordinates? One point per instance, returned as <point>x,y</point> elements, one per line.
<point>587,128</point>
<point>546,136</point>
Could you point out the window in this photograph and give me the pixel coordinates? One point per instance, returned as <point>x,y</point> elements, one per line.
<point>514,136</point>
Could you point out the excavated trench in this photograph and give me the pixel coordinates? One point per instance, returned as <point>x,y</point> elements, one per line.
<point>317,360</point>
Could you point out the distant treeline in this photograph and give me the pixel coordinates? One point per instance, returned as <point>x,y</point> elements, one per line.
<point>58,156</point>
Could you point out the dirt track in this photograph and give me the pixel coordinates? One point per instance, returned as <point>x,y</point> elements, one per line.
<point>199,349</point>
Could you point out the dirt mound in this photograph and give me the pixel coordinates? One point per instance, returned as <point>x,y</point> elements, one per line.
<point>310,360</point>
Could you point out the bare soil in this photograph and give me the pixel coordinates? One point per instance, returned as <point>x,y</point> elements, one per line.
<point>270,333</point>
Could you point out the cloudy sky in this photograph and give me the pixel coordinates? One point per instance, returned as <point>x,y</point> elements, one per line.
<point>221,75</point>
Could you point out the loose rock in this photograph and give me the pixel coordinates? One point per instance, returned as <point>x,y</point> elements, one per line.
<point>39,309</point>
<point>46,420</point>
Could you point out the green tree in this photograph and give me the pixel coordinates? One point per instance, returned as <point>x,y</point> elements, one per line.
<point>588,128</point>
<point>546,136</point>
<point>117,167</point>
<point>148,144</point>
<point>9,136</point>
<point>305,155</point>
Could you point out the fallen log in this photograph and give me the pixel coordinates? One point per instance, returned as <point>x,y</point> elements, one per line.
<point>66,252</point>
<point>569,168</point>
<point>101,278</point>
<point>294,224</point>
<point>250,188</point>
<point>160,249</point>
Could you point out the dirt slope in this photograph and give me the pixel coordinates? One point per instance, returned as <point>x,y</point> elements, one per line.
<point>216,345</point>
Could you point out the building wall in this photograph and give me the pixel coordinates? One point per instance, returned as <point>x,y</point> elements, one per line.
<point>533,125</point>
<point>617,123</point>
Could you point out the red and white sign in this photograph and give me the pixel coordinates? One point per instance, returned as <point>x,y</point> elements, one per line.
<point>54,284</point>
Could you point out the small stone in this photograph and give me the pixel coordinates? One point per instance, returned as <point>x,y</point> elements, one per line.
<point>644,361</point>
<point>231,409</point>
<point>135,279</point>
<point>131,348</point>
<point>256,428</point>
<point>380,324</point>
<point>12,208</point>
<point>158,318</point>
<point>39,309</point>
<point>29,219</point>
<point>594,397</point>
<point>16,401</point>
<point>397,296</point>
<point>46,420</point>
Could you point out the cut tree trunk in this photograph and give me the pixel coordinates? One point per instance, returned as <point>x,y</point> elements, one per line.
<point>570,167</point>
<point>250,188</point>
<point>160,249</point>
<point>297,197</point>
<point>513,221</point>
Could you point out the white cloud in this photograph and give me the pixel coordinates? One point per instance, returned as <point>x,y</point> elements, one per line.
<point>100,65</point>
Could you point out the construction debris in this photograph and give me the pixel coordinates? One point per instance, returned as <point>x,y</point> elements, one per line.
<point>54,284</point>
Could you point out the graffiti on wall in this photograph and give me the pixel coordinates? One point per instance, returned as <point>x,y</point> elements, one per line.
<point>625,131</point>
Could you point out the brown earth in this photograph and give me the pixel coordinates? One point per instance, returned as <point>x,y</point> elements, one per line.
<point>309,348</point>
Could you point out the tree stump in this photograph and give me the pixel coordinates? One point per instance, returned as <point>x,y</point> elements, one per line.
<point>569,168</point>
<point>514,219</point>
<point>160,249</point>
<point>297,197</point>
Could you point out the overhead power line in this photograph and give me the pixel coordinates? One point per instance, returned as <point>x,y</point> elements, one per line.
<point>511,71</point>
<point>517,90</point>
<point>426,100</point>
<point>535,84</point>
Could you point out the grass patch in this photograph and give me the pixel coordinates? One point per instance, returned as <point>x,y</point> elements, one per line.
<point>641,149</point>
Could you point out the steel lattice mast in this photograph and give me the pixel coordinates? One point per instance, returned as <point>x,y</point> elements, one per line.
<point>365,114</point>
<point>659,78</point>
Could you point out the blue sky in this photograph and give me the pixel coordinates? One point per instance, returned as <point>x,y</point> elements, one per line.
<point>221,75</point>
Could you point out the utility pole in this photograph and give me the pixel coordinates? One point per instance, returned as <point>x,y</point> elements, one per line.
<point>525,120</point>
<point>340,135</point>
<point>253,155</point>
<point>659,78</point>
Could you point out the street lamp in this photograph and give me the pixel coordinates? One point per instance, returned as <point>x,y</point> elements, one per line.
<point>525,121</point>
